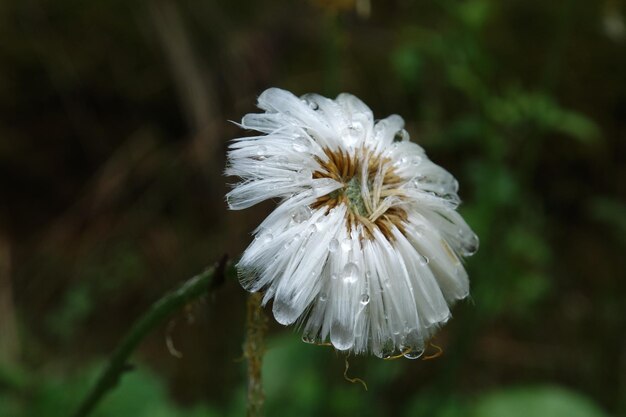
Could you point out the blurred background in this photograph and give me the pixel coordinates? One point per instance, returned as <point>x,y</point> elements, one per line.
<point>114,121</point>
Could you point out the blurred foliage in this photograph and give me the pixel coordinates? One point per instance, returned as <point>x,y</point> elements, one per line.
<point>113,128</point>
<point>141,394</point>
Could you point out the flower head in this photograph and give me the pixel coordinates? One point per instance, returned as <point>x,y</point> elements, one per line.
<point>364,247</point>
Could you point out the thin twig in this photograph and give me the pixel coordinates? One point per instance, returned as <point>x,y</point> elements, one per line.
<point>195,287</point>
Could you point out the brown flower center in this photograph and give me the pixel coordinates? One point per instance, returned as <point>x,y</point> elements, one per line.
<point>367,180</point>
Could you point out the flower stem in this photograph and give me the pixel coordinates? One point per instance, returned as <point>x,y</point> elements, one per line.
<point>254,348</point>
<point>201,284</point>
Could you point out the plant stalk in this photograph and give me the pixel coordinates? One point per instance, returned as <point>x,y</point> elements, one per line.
<point>198,286</point>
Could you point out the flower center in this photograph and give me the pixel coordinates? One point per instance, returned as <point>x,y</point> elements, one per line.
<point>352,191</point>
<point>372,210</point>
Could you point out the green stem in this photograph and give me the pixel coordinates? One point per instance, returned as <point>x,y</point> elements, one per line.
<point>200,285</point>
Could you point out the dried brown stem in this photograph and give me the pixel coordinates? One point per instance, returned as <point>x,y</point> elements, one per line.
<point>254,348</point>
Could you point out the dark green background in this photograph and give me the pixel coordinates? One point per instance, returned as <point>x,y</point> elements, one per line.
<point>113,129</point>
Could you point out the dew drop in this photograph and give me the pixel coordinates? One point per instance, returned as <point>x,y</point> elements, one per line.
<point>311,338</point>
<point>341,336</point>
<point>323,297</point>
<point>350,273</point>
<point>284,313</point>
<point>365,299</point>
<point>455,185</point>
<point>301,214</point>
<point>387,350</point>
<point>419,230</point>
<point>262,150</point>
<point>302,175</point>
<point>401,136</point>
<point>312,105</point>
<point>333,245</point>
<point>413,354</point>
<point>424,260</point>
<point>313,228</point>
<point>333,276</point>
<point>471,246</point>
<point>300,144</point>
<point>267,238</point>
<point>352,133</point>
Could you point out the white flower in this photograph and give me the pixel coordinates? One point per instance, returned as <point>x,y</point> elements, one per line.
<point>365,245</point>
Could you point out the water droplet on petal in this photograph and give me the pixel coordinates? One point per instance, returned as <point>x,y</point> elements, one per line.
<point>455,185</point>
<point>424,260</point>
<point>313,228</point>
<point>310,337</point>
<point>413,354</point>
<point>365,299</point>
<point>312,105</point>
<point>303,175</point>
<point>333,276</point>
<point>323,297</point>
<point>284,312</point>
<point>401,136</point>
<point>471,246</point>
<point>350,273</point>
<point>341,336</point>
<point>262,150</point>
<point>267,238</point>
<point>301,214</point>
<point>352,134</point>
<point>300,144</point>
<point>387,350</point>
<point>333,245</point>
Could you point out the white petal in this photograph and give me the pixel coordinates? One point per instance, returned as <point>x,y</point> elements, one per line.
<point>300,282</point>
